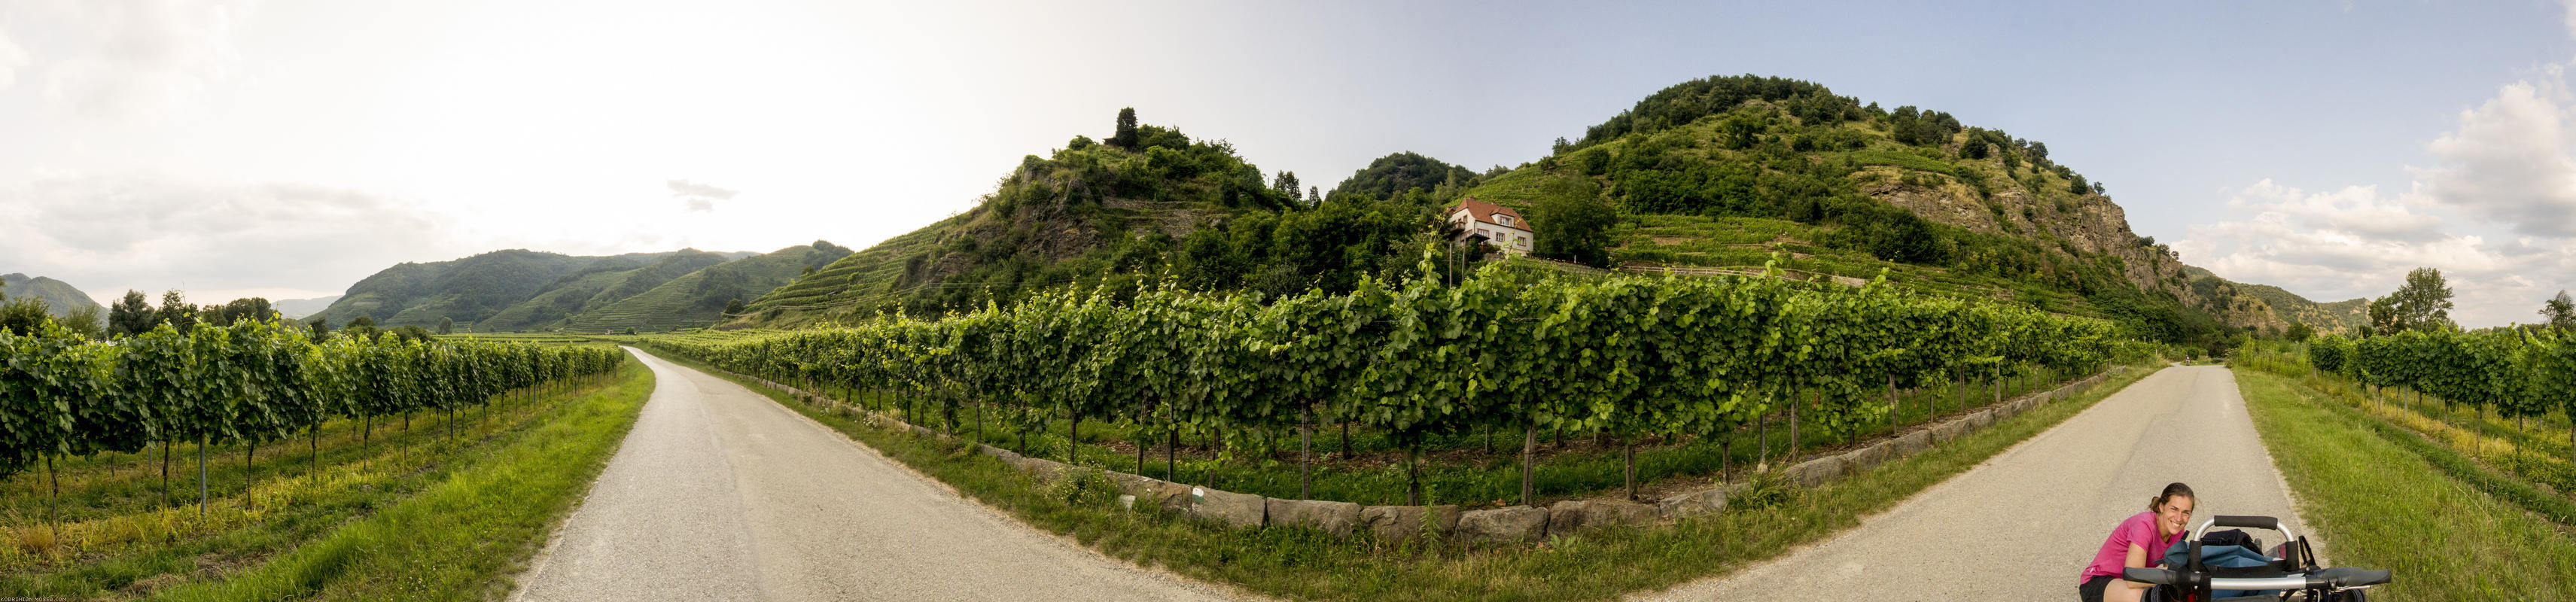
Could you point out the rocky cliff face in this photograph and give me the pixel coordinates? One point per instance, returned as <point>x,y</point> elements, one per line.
<point>2087,223</point>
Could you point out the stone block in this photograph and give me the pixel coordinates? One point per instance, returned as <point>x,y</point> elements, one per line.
<point>1240,510</point>
<point>1337,518</point>
<point>1702,502</point>
<point>1045,470</point>
<point>1950,430</point>
<point>1399,523</point>
<point>1815,473</point>
<point>1863,458</point>
<point>1910,444</point>
<point>1981,419</point>
<point>1516,524</point>
<point>1569,518</point>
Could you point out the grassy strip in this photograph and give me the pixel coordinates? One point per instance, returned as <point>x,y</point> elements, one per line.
<point>460,538</point>
<point>1303,563</point>
<point>120,538</point>
<point>2449,459</point>
<point>2385,505</point>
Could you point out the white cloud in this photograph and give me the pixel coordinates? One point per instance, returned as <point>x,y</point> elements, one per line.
<point>700,197</point>
<point>106,234</point>
<point>2348,243</point>
<point>2571,18</point>
<point>12,58</point>
<point>146,58</point>
<point>2509,162</point>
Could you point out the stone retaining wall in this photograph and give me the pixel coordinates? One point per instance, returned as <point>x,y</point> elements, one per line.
<point>1509,524</point>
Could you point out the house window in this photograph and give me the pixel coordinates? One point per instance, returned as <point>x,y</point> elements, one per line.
<point>1503,219</point>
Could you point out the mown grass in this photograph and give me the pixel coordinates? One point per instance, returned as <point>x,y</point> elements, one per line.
<point>2382,504</point>
<point>461,538</point>
<point>1307,564</point>
<point>122,539</point>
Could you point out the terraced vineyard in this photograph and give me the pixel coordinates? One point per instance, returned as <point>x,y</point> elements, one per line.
<point>698,299</point>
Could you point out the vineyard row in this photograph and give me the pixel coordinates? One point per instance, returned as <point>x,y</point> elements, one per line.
<point>1628,355</point>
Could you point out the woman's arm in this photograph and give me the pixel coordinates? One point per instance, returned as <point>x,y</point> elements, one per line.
<point>2123,590</point>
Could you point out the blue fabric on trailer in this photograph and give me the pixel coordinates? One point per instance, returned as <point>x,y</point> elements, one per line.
<point>2179,556</point>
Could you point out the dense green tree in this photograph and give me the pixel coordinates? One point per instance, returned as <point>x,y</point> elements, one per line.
<point>2559,312</point>
<point>1286,184</point>
<point>1126,134</point>
<point>1572,223</point>
<point>176,311</point>
<point>446,325</point>
<point>1390,176</point>
<point>131,315</point>
<point>23,315</point>
<point>733,307</point>
<point>2423,304</point>
<point>321,329</point>
<point>363,328</point>
<point>2299,331</point>
<point>85,321</point>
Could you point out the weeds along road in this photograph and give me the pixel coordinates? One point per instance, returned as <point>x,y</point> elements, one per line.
<point>720,494</point>
<point>2023,524</point>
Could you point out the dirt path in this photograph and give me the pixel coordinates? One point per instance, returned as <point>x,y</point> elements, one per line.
<point>2022,525</point>
<point>720,494</point>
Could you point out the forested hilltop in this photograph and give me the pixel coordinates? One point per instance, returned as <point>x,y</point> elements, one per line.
<point>1719,172</point>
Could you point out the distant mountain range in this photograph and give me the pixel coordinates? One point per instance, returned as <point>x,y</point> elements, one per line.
<point>522,290</point>
<point>299,308</point>
<point>61,298</point>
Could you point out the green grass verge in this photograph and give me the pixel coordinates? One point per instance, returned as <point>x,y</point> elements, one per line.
<point>1307,564</point>
<point>2383,504</point>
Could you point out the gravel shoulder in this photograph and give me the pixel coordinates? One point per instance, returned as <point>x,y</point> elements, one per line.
<point>719,494</point>
<point>2024,523</point>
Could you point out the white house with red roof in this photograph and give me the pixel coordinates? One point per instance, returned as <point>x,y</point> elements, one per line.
<point>1499,225</point>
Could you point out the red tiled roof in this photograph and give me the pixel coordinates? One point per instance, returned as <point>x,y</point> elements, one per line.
<point>1484,212</point>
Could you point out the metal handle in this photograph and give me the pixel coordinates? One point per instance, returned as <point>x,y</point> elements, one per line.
<point>2243,522</point>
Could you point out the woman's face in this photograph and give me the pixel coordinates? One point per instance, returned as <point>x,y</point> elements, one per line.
<point>2175,513</point>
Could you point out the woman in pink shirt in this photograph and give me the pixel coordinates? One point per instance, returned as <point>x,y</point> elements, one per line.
<point>2139,541</point>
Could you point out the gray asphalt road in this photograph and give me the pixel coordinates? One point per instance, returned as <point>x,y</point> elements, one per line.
<point>719,494</point>
<point>2020,526</point>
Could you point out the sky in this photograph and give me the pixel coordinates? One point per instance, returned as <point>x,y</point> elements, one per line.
<point>287,149</point>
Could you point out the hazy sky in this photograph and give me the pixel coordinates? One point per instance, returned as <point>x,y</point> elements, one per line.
<point>287,149</point>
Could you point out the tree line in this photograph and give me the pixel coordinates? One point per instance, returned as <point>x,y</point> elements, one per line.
<point>1627,355</point>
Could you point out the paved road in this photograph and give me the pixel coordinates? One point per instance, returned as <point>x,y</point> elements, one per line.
<point>2020,526</point>
<point>719,494</point>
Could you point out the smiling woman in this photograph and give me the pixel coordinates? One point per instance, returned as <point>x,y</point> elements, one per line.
<point>2138,542</point>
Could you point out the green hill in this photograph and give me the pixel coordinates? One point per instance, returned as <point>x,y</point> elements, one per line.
<point>1139,207</point>
<point>295,309</point>
<point>595,287</point>
<point>2339,316</point>
<point>61,298</point>
<point>699,297</point>
<point>467,290</point>
<point>1728,171</point>
<point>1717,172</point>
